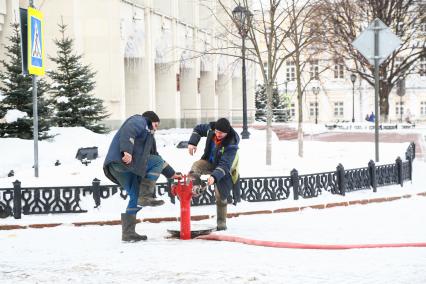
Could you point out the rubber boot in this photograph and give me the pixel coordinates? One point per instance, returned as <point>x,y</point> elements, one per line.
<point>221,210</point>
<point>128,224</point>
<point>146,193</point>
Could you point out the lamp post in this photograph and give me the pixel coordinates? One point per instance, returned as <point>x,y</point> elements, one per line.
<point>353,79</point>
<point>242,18</point>
<point>316,90</point>
<point>400,91</point>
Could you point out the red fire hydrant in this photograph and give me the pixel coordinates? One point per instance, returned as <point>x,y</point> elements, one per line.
<point>184,192</point>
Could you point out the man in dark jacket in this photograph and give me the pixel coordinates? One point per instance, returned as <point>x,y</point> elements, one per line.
<point>132,159</point>
<point>219,160</point>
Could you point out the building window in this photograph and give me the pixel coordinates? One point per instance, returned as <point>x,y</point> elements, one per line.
<point>423,108</point>
<point>291,71</point>
<point>398,61</point>
<point>339,70</point>
<point>422,67</point>
<point>313,108</point>
<point>338,109</point>
<point>400,29</point>
<point>178,82</point>
<point>423,27</point>
<point>292,110</point>
<point>314,69</point>
<point>399,108</point>
<point>265,68</point>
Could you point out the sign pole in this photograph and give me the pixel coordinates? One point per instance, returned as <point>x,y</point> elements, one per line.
<point>35,125</point>
<point>35,116</point>
<point>376,87</point>
<point>376,43</point>
<point>35,66</point>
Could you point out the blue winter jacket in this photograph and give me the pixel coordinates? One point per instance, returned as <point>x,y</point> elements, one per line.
<point>223,157</point>
<point>135,138</point>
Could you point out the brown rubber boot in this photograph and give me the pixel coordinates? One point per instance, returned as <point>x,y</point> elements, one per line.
<point>128,233</point>
<point>146,193</point>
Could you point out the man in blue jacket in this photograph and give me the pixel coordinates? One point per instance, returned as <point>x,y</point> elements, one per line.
<point>131,161</point>
<point>220,161</point>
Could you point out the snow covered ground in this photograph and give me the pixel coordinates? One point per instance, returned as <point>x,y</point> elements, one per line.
<point>95,254</point>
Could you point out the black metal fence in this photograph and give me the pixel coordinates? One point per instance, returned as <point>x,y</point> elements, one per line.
<point>66,199</point>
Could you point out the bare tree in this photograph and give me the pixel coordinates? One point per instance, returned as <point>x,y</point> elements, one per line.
<point>304,48</point>
<point>272,42</point>
<point>345,19</point>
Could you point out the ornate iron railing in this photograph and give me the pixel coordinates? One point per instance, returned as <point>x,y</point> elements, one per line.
<point>41,200</point>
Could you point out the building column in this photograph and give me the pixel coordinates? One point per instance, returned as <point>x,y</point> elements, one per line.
<point>237,100</point>
<point>167,98</point>
<point>190,98</point>
<point>8,10</point>
<point>137,97</point>
<point>208,96</point>
<point>149,60</point>
<point>224,95</point>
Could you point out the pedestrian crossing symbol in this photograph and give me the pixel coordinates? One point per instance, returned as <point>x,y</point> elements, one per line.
<point>35,40</point>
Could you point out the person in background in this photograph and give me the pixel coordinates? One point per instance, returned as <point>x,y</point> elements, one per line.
<point>131,162</point>
<point>220,161</point>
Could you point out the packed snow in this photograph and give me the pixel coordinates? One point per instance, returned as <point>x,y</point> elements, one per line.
<point>12,115</point>
<point>94,254</point>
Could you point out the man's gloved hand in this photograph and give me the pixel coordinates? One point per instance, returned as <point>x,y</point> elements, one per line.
<point>197,190</point>
<point>177,175</point>
<point>192,149</point>
<point>127,158</point>
<point>211,180</point>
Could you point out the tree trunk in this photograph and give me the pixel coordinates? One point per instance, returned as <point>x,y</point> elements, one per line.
<point>384,92</point>
<point>268,123</point>
<point>300,106</point>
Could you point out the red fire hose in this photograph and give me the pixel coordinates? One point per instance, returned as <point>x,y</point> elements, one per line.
<point>215,237</point>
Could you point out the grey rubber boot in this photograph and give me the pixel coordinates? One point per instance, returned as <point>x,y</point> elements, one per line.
<point>128,224</point>
<point>221,210</point>
<point>146,193</point>
<point>221,217</point>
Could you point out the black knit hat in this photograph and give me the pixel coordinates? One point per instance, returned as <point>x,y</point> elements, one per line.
<point>223,125</point>
<point>152,116</point>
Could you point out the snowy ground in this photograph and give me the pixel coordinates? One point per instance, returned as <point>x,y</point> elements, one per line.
<point>96,254</point>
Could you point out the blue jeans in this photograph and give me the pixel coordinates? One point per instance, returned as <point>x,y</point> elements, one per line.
<point>130,181</point>
<point>154,167</point>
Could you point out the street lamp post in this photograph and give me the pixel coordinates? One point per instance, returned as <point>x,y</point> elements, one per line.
<point>400,91</point>
<point>353,79</point>
<point>316,90</point>
<point>242,18</point>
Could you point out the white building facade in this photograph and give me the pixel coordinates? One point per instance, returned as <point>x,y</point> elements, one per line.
<point>147,56</point>
<point>339,99</point>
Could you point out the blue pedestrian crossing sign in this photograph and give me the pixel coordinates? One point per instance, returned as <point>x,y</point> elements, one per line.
<point>35,42</point>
